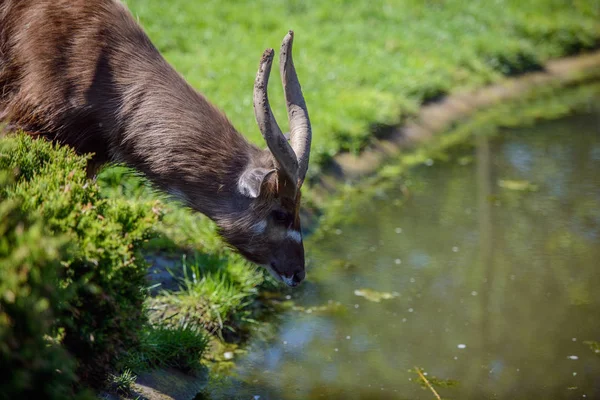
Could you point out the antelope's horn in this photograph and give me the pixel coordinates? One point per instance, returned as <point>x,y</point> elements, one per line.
<point>300,129</point>
<point>283,153</point>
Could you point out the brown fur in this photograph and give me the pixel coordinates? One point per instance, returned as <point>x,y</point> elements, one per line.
<point>83,73</point>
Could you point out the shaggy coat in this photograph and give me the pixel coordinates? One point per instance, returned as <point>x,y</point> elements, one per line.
<point>84,73</point>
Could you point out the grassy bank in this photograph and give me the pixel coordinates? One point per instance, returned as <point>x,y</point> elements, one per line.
<point>363,65</point>
<point>363,68</point>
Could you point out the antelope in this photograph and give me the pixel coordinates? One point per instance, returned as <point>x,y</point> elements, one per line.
<point>84,73</point>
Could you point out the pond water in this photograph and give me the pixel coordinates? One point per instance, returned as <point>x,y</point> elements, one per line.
<point>486,268</point>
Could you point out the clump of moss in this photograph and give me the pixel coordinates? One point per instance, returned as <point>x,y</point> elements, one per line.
<point>32,365</point>
<point>101,270</point>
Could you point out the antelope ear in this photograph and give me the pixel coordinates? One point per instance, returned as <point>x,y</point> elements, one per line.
<point>251,181</point>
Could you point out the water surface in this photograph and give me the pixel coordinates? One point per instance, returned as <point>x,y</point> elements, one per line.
<point>491,265</point>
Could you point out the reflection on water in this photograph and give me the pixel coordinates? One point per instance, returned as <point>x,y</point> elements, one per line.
<point>492,270</point>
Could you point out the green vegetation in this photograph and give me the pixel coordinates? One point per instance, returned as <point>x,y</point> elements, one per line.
<point>123,383</point>
<point>180,348</point>
<point>363,65</point>
<point>216,287</point>
<point>213,295</point>
<point>74,306</point>
<point>74,276</point>
<point>101,272</point>
<point>31,366</point>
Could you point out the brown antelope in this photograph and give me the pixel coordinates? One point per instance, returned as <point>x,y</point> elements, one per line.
<point>84,73</point>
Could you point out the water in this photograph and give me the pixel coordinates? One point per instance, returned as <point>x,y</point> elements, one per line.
<point>491,269</point>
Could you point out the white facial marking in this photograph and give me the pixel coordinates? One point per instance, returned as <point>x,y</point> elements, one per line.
<point>294,235</point>
<point>259,227</point>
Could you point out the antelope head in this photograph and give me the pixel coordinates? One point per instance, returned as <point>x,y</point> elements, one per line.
<point>268,232</point>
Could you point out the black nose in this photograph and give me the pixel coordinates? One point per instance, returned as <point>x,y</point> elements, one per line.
<point>299,277</point>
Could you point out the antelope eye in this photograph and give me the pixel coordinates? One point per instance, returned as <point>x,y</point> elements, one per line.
<point>281,216</point>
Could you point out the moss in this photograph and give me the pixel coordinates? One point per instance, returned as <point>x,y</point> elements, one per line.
<point>32,364</point>
<point>101,269</point>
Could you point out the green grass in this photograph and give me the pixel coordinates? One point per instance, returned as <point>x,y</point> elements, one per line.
<point>362,65</point>
<point>122,383</point>
<point>214,295</point>
<point>162,347</point>
<point>217,288</point>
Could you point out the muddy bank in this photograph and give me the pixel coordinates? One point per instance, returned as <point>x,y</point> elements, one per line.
<point>437,117</point>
